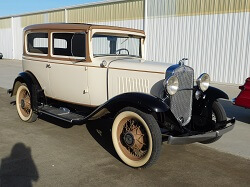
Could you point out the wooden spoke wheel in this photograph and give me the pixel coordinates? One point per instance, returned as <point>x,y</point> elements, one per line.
<point>136,137</point>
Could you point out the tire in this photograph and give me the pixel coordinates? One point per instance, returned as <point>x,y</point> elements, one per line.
<point>136,138</point>
<point>23,104</point>
<point>219,115</point>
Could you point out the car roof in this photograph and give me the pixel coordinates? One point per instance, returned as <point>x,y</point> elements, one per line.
<point>77,26</point>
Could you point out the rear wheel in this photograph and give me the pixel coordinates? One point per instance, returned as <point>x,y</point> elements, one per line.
<point>136,137</point>
<point>23,104</point>
<point>218,115</point>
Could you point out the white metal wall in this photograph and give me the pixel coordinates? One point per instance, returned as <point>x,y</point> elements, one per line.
<point>213,34</point>
<point>6,42</point>
<point>216,44</point>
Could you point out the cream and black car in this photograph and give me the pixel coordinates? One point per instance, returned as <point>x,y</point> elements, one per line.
<point>81,72</point>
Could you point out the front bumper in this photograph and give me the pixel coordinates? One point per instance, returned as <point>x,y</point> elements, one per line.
<point>201,137</point>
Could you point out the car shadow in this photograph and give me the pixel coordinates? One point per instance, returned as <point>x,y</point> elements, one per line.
<point>240,113</point>
<point>100,130</point>
<point>18,169</point>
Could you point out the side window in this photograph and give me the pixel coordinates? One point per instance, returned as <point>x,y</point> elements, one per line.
<point>37,43</point>
<point>69,44</point>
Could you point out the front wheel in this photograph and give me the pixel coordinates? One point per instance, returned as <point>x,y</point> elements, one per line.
<point>136,137</point>
<point>218,115</point>
<point>23,104</point>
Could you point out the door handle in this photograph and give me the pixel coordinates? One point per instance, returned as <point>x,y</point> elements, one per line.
<point>48,66</point>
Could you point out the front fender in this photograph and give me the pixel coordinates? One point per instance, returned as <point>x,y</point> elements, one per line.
<point>213,94</point>
<point>142,101</point>
<point>203,106</point>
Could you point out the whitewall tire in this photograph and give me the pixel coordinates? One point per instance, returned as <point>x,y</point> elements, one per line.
<point>136,137</point>
<point>23,104</point>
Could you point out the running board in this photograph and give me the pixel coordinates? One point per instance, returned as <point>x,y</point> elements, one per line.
<point>62,114</point>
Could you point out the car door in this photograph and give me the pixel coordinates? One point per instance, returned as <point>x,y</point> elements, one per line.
<point>68,73</point>
<point>35,58</point>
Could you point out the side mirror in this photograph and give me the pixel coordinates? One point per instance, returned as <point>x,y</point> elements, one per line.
<point>78,42</point>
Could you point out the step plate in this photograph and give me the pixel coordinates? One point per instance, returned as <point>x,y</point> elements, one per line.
<point>61,114</point>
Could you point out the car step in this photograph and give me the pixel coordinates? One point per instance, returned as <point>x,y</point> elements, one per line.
<point>62,114</point>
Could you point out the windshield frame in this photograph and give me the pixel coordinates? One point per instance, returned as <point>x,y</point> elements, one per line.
<point>118,33</point>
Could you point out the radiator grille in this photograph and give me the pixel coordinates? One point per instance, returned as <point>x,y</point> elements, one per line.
<point>181,102</point>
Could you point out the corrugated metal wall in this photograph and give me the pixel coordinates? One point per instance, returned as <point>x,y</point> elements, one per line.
<point>125,14</point>
<point>6,41</point>
<point>213,34</point>
<point>120,11</point>
<point>56,16</point>
<point>33,19</point>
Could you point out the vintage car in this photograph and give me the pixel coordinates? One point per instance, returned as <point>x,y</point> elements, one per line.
<point>243,99</point>
<point>81,72</point>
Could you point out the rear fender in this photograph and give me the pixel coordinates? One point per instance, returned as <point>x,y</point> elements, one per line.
<point>33,85</point>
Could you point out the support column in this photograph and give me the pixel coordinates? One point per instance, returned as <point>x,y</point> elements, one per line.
<point>66,15</point>
<point>13,37</point>
<point>145,26</point>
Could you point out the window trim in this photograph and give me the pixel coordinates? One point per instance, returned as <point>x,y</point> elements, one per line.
<point>26,43</point>
<point>141,39</point>
<point>62,56</point>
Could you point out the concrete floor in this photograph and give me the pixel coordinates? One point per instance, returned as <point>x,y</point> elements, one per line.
<point>9,70</point>
<point>52,153</point>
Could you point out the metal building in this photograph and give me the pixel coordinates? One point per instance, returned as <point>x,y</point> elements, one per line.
<point>213,34</point>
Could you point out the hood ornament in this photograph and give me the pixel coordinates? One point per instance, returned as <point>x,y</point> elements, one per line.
<point>182,61</point>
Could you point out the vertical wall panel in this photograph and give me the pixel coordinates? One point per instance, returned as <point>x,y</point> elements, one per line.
<point>6,37</point>
<point>213,34</point>
<point>5,23</point>
<point>57,16</point>
<point>127,10</point>
<point>33,19</point>
<point>6,42</point>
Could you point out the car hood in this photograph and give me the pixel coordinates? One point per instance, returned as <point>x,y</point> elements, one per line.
<point>138,65</point>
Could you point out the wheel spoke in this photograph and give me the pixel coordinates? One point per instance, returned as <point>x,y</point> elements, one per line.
<point>138,148</point>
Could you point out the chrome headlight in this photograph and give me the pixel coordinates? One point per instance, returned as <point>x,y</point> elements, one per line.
<point>171,84</point>
<point>203,82</point>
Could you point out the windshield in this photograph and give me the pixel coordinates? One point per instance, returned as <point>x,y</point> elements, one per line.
<point>104,45</point>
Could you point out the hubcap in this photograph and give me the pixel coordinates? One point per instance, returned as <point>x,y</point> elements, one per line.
<point>22,103</point>
<point>129,139</point>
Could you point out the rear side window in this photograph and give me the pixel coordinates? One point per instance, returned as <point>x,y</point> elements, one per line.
<point>37,43</point>
<point>69,44</point>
